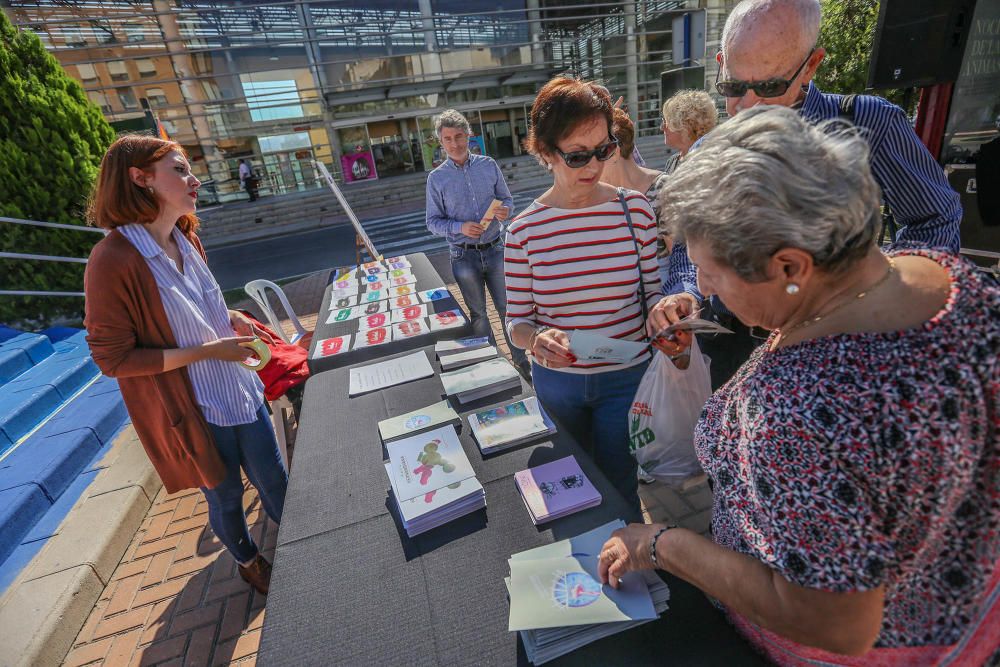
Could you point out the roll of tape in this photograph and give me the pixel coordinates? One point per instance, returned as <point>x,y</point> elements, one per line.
<point>262,352</point>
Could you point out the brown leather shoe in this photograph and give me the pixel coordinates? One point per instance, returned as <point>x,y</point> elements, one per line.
<point>257,574</point>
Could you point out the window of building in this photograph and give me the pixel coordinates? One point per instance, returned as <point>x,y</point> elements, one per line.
<point>284,142</point>
<point>156,97</point>
<point>99,99</point>
<point>146,67</point>
<point>272,100</point>
<point>86,72</point>
<point>118,70</point>
<point>73,36</point>
<point>134,32</point>
<point>127,99</point>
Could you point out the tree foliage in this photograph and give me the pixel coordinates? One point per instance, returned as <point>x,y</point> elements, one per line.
<point>52,139</point>
<point>848,33</point>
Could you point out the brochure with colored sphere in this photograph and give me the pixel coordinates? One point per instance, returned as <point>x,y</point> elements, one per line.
<point>409,313</point>
<point>418,420</point>
<point>545,644</point>
<point>372,337</point>
<point>557,592</point>
<point>329,347</point>
<point>446,347</point>
<point>510,425</point>
<point>427,462</point>
<point>482,379</point>
<point>400,290</point>
<point>450,362</point>
<point>555,489</point>
<point>404,301</point>
<point>376,321</point>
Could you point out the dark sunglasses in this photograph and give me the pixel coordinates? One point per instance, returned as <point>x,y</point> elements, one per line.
<point>775,87</point>
<point>578,159</point>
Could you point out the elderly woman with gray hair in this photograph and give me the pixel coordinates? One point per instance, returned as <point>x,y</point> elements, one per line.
<point>855,457</point>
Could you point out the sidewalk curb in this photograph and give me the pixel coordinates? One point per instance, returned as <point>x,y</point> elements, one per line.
<point>43,610</point>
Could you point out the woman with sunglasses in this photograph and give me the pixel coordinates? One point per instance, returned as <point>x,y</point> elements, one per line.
<point>573,264</point>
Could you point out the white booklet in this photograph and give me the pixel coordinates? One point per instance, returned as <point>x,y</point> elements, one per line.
<point>409,313</point>
<point>557,592</point>
<point>400,290</point>
<point>450,362</point>
<point>446,347</point>
<point>448,319</point>
<point>376,321</point>
<point>481,379</point>
<point>427,462</point>
<point>428,295</point>
<point>416,421</point>
<point>443,499</point>
<point>388,373</point>
<point>592,347</point>
<point>411,329</point>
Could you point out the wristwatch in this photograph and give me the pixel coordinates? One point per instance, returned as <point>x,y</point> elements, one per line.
<point>652,542</point>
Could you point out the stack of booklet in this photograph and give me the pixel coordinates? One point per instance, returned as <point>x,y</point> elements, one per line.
<point>508,426</point>
<point>432,480</point>
<point>450,362</point>
<point>419,420</point>
<point>558,604</point>
<point>444,348</point>
<point>482,379</point>
<point>555,489</point>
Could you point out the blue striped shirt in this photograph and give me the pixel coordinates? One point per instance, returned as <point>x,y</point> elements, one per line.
<point>927,210</point>
<point>227,392</point>
<point>463,194</point>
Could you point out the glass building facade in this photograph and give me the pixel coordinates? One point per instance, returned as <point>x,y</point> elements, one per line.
<point>353,84</point>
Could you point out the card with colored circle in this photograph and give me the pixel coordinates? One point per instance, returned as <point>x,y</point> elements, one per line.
<point>377,295</point>
<point>372,337</point>
<point>396,273</point>
<point>430,295</point>
<point>330,347</point>
<point>410,329</point>
<point>342,315</point>
<point>338,303</point>
<point>346,285</point>
<point>404,301</point>
<point>402,290</point>
<point>376,321</point>
<point>365,309</point>
<point>408,279</point>
<point>448,319</point>
<point>377,287</point>
<point>409,313</point>
<point>372,279</point>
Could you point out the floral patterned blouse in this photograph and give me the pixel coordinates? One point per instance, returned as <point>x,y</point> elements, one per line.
<point>854,461</point>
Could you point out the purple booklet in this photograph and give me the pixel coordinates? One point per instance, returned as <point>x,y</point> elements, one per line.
<point>556,489</point>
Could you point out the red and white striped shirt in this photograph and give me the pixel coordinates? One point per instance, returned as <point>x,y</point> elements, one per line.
<point>576,269</point>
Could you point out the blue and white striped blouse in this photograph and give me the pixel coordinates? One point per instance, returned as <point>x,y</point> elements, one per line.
<point>926,208</point>
<point>227,392</point>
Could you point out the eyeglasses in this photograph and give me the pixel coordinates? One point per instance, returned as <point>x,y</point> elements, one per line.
<point>775,87</point>
<point>577,159</point>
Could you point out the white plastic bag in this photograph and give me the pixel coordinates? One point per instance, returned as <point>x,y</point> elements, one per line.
<point>663,416</point>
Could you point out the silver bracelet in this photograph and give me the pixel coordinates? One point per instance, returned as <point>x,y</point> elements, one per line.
<point>652,542</point>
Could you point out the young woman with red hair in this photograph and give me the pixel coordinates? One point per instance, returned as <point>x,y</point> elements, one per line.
<point>156,320</point>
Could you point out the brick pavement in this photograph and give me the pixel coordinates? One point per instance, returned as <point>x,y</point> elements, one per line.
<point>176,599</point>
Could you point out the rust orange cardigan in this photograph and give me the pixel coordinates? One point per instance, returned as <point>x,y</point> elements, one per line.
<point>128,329</point>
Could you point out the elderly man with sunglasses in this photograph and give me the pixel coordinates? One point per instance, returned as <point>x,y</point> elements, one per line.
<point>769,56</point>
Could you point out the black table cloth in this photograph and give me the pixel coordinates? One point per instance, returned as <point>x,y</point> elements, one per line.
<point>349,587</point>
<point>427,279</point>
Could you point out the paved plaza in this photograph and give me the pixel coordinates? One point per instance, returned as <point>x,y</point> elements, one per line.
<point>176,598</point>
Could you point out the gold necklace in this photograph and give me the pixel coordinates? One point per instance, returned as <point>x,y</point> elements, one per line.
<point>860,295</point>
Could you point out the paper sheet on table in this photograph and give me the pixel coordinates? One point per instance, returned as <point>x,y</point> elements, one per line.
<point>592,347</point>
<point>389,373</point>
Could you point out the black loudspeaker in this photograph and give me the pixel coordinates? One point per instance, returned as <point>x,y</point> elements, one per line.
<point>919,42</point>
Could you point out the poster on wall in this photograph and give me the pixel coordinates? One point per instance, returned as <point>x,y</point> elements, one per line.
<point>359,166</point>
<point>477,146</point>
<point>432,152</point>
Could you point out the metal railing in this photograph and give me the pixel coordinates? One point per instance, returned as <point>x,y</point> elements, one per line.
<point>44,258</point>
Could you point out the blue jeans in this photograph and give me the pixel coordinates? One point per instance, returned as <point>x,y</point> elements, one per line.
<point>594,409</point>
<point>253,448</point>
<point>476,270</point>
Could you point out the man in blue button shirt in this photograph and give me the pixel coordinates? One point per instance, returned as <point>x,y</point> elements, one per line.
<point>769,56</point>
<point>459,194</point>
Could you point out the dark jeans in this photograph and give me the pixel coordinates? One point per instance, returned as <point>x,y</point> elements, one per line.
<point>475,271</point>
<point>729,351</point>
<point>253,448</point>
<point>594,409</point>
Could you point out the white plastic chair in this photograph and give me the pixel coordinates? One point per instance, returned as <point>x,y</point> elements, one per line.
<point>257,290</point>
